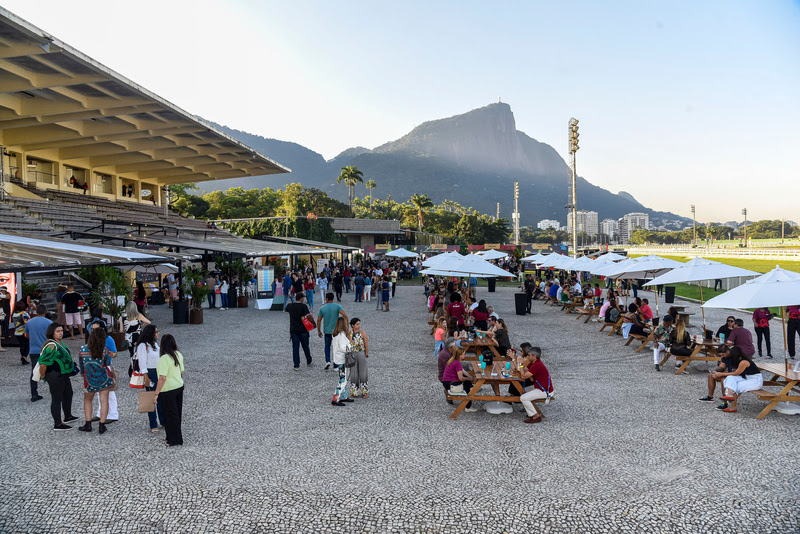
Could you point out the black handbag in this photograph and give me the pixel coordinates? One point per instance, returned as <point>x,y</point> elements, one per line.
<point>349,359</point>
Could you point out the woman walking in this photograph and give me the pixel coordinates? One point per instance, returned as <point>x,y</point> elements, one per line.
<point>223,292</point>
<point>360,346</point>
<point>147,354</point>
<point>95,361</point>
<point>385,287</point>
<point>132,324</point>
<point>308,289</point>
<point>140,297</point>
<point>56,367</point>
<point>339,345</point>
<point>18,320</point>
<point>169,391</point>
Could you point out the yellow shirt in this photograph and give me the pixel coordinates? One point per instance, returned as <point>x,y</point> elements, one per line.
<point>166,367</point>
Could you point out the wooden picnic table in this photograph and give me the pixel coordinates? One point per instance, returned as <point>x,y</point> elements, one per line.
<point>790,381</point>
<point>478,346</point>
<point>644,339</point>
<point>703,350</point>
<point>485,377</point>
<point>569,306</point>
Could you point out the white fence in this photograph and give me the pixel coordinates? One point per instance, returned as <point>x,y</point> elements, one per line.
<point>738,253</point>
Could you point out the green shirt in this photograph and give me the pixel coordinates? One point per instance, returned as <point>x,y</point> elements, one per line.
<point>55,353</point>
<point>330,314</point>
<point>166,367</point>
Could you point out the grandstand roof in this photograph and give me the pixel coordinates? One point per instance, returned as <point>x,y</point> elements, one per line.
<point>53,97</point>
<point>236,245</point>
<point>23,253</point>
<point>308,242</point>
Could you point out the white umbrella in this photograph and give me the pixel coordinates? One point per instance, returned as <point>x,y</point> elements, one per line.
<point>552,260</point>
<point>613,257</point>
<point>644,267</point>
<point>610,268</point>
<point>699,269</point>
<point>401,253</point>
<point>466,266</point>
<point>492,254</point>
<point>584,263</point>
<point>535,258</point>
<point>778,287</point>
<point>439,258</point>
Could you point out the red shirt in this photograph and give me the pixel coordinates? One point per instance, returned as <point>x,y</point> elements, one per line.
<point>761,317</point>
<point>793,311</point>
<point>647,312</point>
<point>541,377</point>
<point>598,292</point>
<point>456,309</point>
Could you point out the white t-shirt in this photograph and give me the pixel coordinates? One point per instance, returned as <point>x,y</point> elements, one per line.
<point>147,356</point>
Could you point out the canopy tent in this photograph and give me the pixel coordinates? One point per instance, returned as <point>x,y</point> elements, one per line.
<point>401,253</point>
<point>778,287</point>
<point>492,254</point>
<point>157,268</point>
<point>23,253</point>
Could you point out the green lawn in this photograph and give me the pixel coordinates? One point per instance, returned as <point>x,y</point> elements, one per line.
<point>759,266</point>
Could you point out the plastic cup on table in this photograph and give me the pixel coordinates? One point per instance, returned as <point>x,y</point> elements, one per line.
<point>722,338</point>
<point>483,364</point>
<point>480,357</point>
<point>508,366</point>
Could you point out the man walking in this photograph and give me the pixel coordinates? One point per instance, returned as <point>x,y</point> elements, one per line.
<point>326,323</point>
<point>287,289</point>
<point>359,282</point>
<point>211,282</point>
<point>297,330</point>
<point>36,331</point>
<point>72,313</point>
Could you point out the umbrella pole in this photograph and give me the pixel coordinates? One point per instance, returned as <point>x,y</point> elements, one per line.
<point>702,309</point>
<point>783,329</point>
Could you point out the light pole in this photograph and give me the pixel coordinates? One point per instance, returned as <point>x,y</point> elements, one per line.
<point>694,229</point>
<point>573,148</point>
<point>516,213</point>
<point>783,229</point>
<point>744,212</point>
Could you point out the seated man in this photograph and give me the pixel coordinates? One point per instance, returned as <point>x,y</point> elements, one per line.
<point>742,338</point>
<point>536,378</point>
<point>723,367</point>
<point>646,311</point>
<point>661,337</point>
<point>727,328</point>
<point>554,288</point>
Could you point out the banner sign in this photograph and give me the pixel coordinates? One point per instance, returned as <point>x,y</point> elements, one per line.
<point>265,276</point>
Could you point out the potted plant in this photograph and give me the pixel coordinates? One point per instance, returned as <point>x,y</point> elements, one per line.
<point>197,290</point>
<point>245,274</point>
<point>111,294</point>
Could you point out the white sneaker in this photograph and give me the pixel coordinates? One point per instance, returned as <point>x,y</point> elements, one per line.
<point>327,366</point>
<point>470,410</point>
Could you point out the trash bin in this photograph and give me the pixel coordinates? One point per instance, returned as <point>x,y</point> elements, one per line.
<point>180,312</point>
<point>492,283</point>
<point>669,294</point>
<point>232,298</point>
<point>521,303</point>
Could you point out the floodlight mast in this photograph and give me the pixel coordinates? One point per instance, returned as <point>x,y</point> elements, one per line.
<point>573,200</point>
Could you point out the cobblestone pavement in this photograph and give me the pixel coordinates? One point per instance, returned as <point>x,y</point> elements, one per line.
<point>623,449</point>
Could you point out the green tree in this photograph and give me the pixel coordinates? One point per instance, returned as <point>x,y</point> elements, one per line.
<point>191,205</point>
<point>470,229</point>
<point>371,185</point>
<point>350,176</point>
<point>420,202</point>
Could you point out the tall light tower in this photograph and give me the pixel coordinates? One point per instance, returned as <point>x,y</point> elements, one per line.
<point>498,211</point>
<point>573,200</point>
<point>694,229</point>
<point>744,212</point>
<point>516,213</point>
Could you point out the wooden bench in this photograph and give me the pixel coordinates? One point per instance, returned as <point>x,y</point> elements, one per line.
<point>614,326</point>
<point>501,398</point>
<point>588,313</point>
<point>638,337</point>
<point>551,300</point>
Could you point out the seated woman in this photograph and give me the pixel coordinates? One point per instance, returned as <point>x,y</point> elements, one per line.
<point>745,377</point>
<point>674,313</point>
<point>497,334</point>
<point>481,316</point>
<point>454,376</point>
<point>456,331</point>
<point>612,311</point>
<point>679,341</point>
<point>637,326</point>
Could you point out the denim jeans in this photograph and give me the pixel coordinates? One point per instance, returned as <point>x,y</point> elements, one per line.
<point>34,385</point>
<point>328,341</point>
<point>310,296</point>
<point>297,340</point>
<point>153,375</point>
<point>359,293</point>
<point>224,297</point>
<point>212,300</point>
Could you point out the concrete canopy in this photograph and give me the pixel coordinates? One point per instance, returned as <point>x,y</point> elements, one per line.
<point>59,105</point>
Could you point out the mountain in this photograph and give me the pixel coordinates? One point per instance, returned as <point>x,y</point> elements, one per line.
<point>473,158</point>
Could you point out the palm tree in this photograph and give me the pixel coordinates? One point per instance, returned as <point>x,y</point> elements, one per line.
<point>350,176</point>
<point>370,185</point>
<point>420,202</point>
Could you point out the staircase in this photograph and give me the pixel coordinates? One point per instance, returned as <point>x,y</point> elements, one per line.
<point>48,283</point>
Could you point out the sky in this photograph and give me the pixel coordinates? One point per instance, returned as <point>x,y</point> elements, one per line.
<point>679,102</point>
